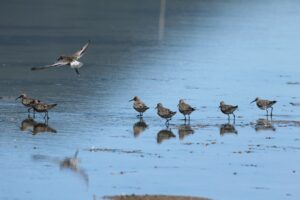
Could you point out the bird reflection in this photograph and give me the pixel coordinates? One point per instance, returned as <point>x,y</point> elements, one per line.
<point>69,163</point>
<point>264,125</point>
<point>184,130</point>
<point>36,127</point>
<point>42,127</point>
<point>227,129</point>
<point>139,127</point>
<point>164,134</point>
<point>27,124</point>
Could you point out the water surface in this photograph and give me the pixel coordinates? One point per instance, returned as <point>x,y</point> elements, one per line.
<point>202,51</point>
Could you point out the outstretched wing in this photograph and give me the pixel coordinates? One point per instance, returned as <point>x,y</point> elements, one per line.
<point>80,53</point>
<point>57,64</point>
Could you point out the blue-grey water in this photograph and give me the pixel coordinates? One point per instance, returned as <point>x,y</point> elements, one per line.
<point>163,51</point>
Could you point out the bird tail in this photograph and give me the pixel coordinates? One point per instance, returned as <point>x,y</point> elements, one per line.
<point>273,102</point>
<point>39,68</point>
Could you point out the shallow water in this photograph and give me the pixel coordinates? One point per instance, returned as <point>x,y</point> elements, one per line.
<point>206,51</point>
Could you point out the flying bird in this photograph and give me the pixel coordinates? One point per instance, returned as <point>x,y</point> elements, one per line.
<point>68,60</point>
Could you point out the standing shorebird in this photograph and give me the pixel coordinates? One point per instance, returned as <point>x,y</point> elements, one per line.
<point>185,108</point>
<point>264,104</point>
<point>139,106</point>
<point>227,109</point>
<point>43,108</point>
<point>164,113</point>
<point>70,60</point>
<point>28,102</point>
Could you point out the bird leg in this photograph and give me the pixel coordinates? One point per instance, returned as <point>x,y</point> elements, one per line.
<point>167,123</point>
<point>267,112</point>
<point>46,117</point>
<point>77,71</point>
<point>271,111</point>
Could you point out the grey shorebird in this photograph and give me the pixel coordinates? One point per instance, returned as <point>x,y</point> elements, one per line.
<point>227,109</point>
<point>43,108</point>
<point>28,102</point>
<point>264,104</point>
<point>70,60</point>
<point>164,113</point>
<point>139,106</point>
<point>185,108</point>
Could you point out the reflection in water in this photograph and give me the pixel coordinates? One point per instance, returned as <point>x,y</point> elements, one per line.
<point>184,130</point>
<point>264,125</point>
<point>164,134</point>
<point>27,124</point>
<point>71,163</point>
<point>36,127</point>
<point>139,127</point>
<point>227,129</point>
<point>161,23</point>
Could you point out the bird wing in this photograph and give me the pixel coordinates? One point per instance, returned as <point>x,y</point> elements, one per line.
<point>80,53</point>
<point>57,64</point>
<point>141,105</point>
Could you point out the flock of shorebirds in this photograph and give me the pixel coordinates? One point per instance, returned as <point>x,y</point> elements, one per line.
<point>64,60</point>
<point>73,61</point>
<point>186,109</point>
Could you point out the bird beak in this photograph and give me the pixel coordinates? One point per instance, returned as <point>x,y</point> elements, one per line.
<point>130,100</point>
<point>18,97</point>
<point>253,101</point>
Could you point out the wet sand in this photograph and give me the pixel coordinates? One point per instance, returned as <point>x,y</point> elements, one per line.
<point>207,51</point>
<point>153,197</point>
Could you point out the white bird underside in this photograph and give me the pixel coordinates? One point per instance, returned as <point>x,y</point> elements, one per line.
<point>71,60</point>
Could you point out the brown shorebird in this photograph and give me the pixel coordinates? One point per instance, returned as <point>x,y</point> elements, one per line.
<point>139,106</point>
<point>69,60</point>
<point>185,108</point>
<point>43,108</point>
<point>264,104</point>
<point>28,102</point>
<point>164,113</point>
<point>227,109</point>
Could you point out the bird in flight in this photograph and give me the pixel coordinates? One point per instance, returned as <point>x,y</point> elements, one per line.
<point>70,60</point>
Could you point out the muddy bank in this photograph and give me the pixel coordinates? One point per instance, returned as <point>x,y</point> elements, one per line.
<point>153,197</point>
